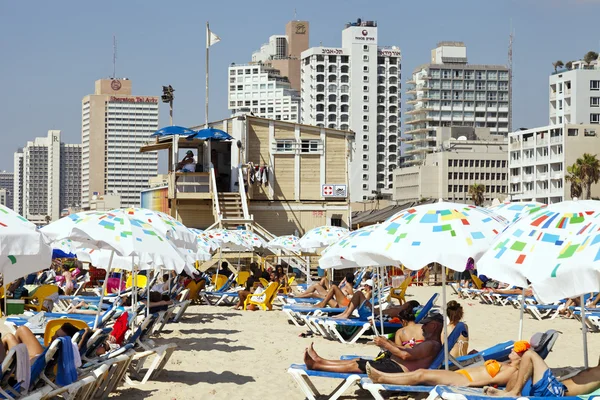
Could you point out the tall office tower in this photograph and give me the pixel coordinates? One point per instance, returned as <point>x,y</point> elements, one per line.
<point>115,124</point>
<point>575,94</point>
<point>47,178</point>
<point>357,87</point>
<point>7,181</point>
<point>269,85</point>
<point>449,92</point>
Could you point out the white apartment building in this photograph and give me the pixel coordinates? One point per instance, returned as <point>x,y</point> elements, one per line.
<point>47,177</point>
<point>260,89</point>
<point>3,195</point>
<point>114,125</point>
<point>357,87</point>
<point>575,94</point>
<point>466,156</point>
<point>450,92</point>
<point>7,182</point>
<point>539,157</point>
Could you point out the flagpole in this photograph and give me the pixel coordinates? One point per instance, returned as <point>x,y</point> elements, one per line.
<point>206,97</point>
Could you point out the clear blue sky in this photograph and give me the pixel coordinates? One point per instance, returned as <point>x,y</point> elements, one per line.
<point>53,51</point>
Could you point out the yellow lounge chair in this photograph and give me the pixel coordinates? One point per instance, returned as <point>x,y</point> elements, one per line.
<point>53,325</point>
<point>399,292</point>
<point>218,281</point>
<point>242,277</point>
<point>476,281</point>
<point>36,300</point>
<point>269,296</point>
<point>264,282</point>
<point>286,289</point>
<point>140,280</point>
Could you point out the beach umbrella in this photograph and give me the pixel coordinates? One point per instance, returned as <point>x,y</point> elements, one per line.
<point>203,240</point>
<point>119,232</point>
<point>321,236</point>
<point>210,134</point>
<point>229,239</point>
<point>444,233</point>
<point>556,248</point>
<point>173,130</point>
<point>513,210</point>
<point>332,257</point>
<point>256,241</point>
<point>287,242</point>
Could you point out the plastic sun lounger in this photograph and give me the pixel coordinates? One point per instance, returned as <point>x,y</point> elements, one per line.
<point>592,319</point>
<point>463,393</point>
<point>302,375</point>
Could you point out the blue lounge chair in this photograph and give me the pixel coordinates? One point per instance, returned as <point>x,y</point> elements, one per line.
<point>476,394</point>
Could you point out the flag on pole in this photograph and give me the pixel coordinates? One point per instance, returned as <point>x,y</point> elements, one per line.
<point>211,38</point>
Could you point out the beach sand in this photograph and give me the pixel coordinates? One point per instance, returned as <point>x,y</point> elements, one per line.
<point>226,354</point>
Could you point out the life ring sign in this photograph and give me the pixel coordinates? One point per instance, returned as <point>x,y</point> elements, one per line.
<point>329,190</point>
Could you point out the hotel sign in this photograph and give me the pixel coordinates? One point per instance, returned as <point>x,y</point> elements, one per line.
<point>365,34</point>
<point>389,53</point>
<point>332,51</point>
<point>134,99</point>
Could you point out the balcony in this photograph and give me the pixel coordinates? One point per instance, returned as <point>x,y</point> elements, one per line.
<point>556,139</point>
<point>527,144</point>
<point>515,179</point>
<point>542,176</point>
<point>514,145</point>
<point>528,178</point>
<point>556,175</point>
<point>189,185</point>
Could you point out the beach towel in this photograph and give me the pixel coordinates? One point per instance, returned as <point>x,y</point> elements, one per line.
<point>23,372</point>
<point>120,328</point>
<point>39,364</point>
<point>67,373</point>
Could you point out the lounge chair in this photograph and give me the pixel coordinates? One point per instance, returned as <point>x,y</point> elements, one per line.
<point>265,299</point>
<point>399,292</point>
<point>464,393</point>
<point>35,302</point>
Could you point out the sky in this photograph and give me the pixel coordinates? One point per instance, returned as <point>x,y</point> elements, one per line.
<point>51,52</point>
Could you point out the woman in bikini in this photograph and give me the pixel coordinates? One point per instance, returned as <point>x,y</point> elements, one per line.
<point>411,332</point>
<point>319,290</point>
<point>339,296</point>
<point>491,373</point>
<point>455,313</point>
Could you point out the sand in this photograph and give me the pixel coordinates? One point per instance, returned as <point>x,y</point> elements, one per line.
<point>226,354</point>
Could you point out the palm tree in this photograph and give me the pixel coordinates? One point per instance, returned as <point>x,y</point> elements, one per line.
<point>558,64</point>
<point>574,178</point>
<point>476,191</point>
<point>589,167</point>
<point>569,65</point>
<point>47,218</point>
<point>590,56</point>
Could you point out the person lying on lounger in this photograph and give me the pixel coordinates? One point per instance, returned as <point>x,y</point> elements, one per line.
<point>24,335</point>
<point>544,383</point>
<point>393,359</point>
<point>342,297</point>
<point>491,373</point>
<point>320,290</point>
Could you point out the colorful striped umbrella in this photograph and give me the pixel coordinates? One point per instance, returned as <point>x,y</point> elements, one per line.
<point>287,242</point>
<point>322,236</point>
<point>512,210</point>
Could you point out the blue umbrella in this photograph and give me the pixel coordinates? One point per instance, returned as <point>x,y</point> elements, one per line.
<point>57,253</point>
<point>211,134</point>
<point>173,130</point>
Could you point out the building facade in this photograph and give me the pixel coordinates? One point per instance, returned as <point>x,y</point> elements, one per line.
<point>539,157</point>
<point>357,87</point>
<point>115,124</point>
<point>3,196</point>
<point>575,94</point>
<point>7,182</point>
<point>450,92</point>
<point>466,156</point>
<point>47,178</point>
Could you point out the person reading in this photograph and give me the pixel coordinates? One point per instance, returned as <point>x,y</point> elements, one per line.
<point>491,373</point>
<point>393,359</point>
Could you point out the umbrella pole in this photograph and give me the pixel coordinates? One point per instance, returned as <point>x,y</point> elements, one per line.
<point>445,320</point>
<point>522,312</point>
<point>112,253</point>
<point>148,293</point>
<point>381,283</point>
<point>584,332</point>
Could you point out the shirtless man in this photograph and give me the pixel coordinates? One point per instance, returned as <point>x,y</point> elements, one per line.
<point>545,383</point>
<point>492,373</point>
<point>394,360</point>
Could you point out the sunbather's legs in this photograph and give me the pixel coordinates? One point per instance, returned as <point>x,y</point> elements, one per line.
<point>25,336</point>
<point>343,366</point>
<point>242,295</point>
<point>418,377</point>
<point>531,366</point>
<point>357,299</point>
<point>585,382</point>
<point>333,293</point>
<point>314,290</point>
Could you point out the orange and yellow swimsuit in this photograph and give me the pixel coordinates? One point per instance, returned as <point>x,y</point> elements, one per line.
<point>491,366</point>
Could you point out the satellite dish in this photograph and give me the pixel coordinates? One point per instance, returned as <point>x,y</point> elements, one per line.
<point>462,138</point>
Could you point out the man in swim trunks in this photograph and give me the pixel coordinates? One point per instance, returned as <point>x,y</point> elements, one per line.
<point>491,373</point>
<point>545,384</point>
<point>395,359</point>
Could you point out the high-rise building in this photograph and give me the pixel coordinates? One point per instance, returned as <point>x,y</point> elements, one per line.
<point>47,177</point>
<point>575,94</point>
<point>467,156</point>
<point>115,124</point>
<point>7,181</point>
<point>357,87</point>
<point>269,86</point>
<point>3,197</point>
<point>450,92</point>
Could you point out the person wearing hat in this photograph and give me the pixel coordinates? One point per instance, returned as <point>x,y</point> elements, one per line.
<point>545,383</point>
<point>491,373</point>
<point>393,359</point>
<point>188,164</point>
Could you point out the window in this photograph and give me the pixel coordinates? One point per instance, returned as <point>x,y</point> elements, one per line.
<point>366,128</point>
<point>365,167</point>
<point>365,157</point>
<point>365,117</point>
<point>594,118</point>
<point>284,146</point>
<point>366,68</point>
<point>365,58</point>
<point>594,101</point>
<point>365,88</point>
<point>310,146</point>
<point>365,147</point>
<point>594,85</point>
<point>365,137</point>
<point>365,98</point>
<point>365,47</point>
<point>365,177</point>
<point>365,186</point>
<point>365,108</point>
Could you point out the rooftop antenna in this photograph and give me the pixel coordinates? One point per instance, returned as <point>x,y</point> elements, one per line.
<point>295,15</point>
<point>114,56</point>
<point>511,38</point>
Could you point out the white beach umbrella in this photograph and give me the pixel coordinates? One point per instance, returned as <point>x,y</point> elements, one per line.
<point>203,240</point>
<point>556,248</point>
<point>256,241</point>
<point>513,210</point>
<point>180,235</point>
<point>287,242</point>
<point>229,239</point>
<point>443,232</point>
<point>332,256</point>
<point>322,236</point>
